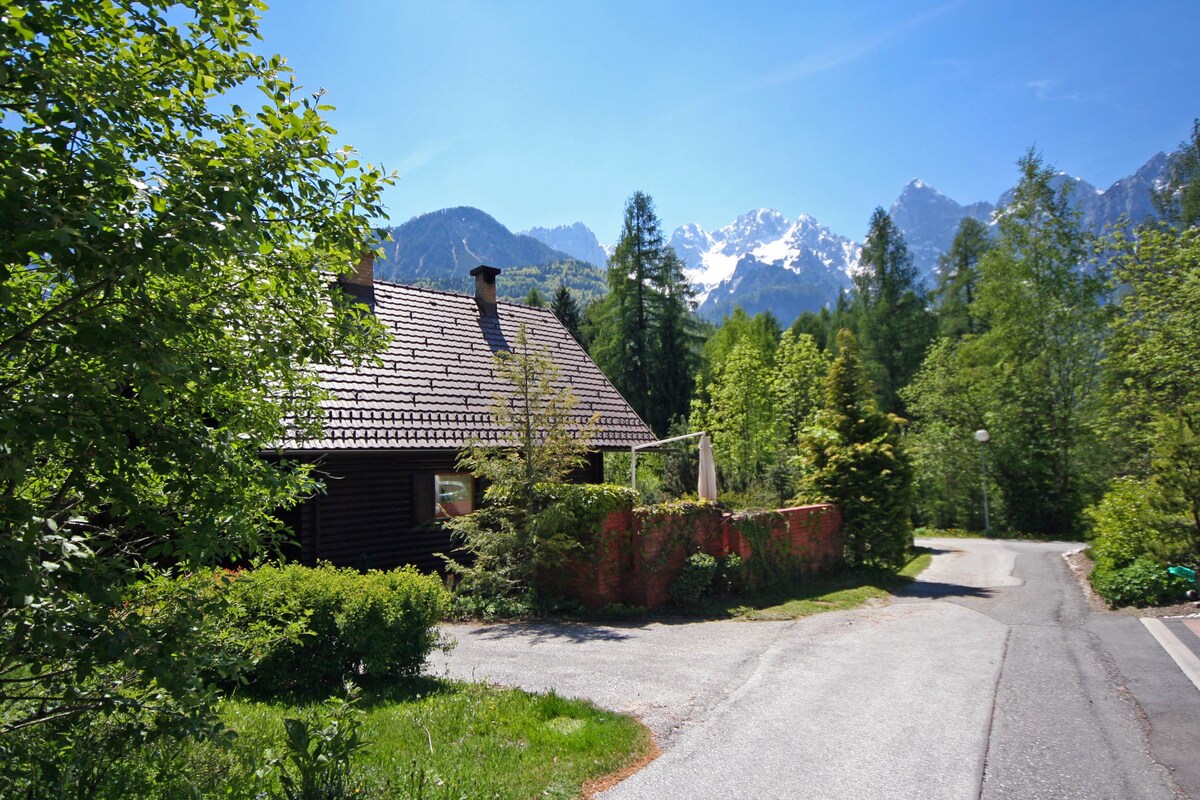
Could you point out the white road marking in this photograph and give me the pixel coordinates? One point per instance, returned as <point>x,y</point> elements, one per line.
<point>1176,649</point>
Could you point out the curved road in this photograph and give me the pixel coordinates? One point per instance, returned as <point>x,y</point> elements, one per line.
<point>989,678</point>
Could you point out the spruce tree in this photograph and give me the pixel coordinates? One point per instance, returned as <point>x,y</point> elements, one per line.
<point>889,308</point>
<point>567,310</point>
<point>645,333</point>
<point>958,278</point>
<point>676,343</point>
<point>624,347</point>
<point>516,533</point>
<point>856,461</point>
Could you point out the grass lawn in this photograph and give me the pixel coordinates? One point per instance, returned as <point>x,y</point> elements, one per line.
<point>950,533</point>
<point>439,739</point>
<point>835,593</point>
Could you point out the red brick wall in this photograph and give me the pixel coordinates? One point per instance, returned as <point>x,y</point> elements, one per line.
<point>596,577</point>
<point>637,557</point>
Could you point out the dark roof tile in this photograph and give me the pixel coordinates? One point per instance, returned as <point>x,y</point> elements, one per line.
<point>436,382</point>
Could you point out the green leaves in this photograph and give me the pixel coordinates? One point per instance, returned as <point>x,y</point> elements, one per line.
<point>518,532</point>
<point>166,301</point>
<point>646,337</point>
<point>889,309</point>
<point>857,461</point>
<point>1029,374</point>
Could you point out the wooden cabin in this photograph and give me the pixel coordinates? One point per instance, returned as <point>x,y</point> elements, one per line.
<point>394,430</point>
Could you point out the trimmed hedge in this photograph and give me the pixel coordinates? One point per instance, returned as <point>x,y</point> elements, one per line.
<point>366,626</point>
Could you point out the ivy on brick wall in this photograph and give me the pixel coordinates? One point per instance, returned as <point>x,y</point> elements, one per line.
<point>771,561</point>
<point>677,521</point>
<point>578,510</point>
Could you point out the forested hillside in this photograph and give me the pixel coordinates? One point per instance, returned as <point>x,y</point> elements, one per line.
<point>438,250</point>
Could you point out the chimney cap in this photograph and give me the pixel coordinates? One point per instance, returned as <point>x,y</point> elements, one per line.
<point>488,273</point>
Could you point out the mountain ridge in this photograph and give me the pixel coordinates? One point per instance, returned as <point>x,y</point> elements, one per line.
<point>762,260</point>
<point>440,248</point>
<point>927,218</point>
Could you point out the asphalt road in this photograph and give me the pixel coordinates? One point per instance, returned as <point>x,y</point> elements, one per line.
<point>989,679</point>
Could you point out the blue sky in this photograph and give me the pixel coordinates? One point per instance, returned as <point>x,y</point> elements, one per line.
<point>547,113</point>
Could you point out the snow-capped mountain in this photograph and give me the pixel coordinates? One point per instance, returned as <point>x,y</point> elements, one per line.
<point>764,261</point>
<point>1131,196</point>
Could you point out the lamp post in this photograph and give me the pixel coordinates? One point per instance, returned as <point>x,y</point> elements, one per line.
<point>982,436</point>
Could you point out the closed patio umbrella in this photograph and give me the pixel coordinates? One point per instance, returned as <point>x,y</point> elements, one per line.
<point>706,487</point>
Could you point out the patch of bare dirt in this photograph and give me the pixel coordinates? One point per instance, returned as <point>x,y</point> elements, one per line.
<point>597,785</point>
<point>1082,566</point>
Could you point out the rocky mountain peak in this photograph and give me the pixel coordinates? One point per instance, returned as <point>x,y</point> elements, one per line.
<point>576,240</point>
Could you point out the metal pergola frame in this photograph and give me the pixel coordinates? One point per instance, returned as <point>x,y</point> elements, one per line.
<point>633,451</point>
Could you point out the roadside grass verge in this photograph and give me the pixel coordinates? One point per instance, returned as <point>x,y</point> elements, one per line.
<point>440,740</point>
<point>961,533</point>
<point>947,533</point>
<point>841,592</point>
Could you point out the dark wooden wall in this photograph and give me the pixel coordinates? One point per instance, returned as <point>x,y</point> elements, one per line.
<point>377,510</point>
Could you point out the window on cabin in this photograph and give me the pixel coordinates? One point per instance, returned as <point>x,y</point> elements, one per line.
<point>454,493</point>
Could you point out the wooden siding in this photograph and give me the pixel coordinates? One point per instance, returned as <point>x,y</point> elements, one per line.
<point>371,514</point>
<point>378,508</point>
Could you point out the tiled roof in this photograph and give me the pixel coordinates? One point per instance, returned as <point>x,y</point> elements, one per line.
<point>437,380</point>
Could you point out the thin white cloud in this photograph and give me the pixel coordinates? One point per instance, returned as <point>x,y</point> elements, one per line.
<point>421,156</point>
<point>818,63</point>
<point>1046,90</point>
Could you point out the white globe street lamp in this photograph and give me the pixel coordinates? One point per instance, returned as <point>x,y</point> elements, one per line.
<point>982,436</point>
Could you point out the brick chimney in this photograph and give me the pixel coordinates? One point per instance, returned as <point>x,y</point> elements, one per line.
<point>485,289</point>
<point>360,282</point>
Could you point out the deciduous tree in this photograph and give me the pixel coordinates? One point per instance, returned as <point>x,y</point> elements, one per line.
<point>1151,370</point>
<point>797,384</point>
<point>740,416</point>
<point>1040,352</point>
<point>167,267</point>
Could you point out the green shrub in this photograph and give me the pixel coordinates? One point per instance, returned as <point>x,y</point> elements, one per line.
<point>855,458</point>
<point>469,606</point>
<point>1144,582</point>
<point>372,626</point>
<point>1123,523</point>
<point>504,547</point>
<point>730,574</point>
<point>1133,542</point>
<point>694,581</point>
